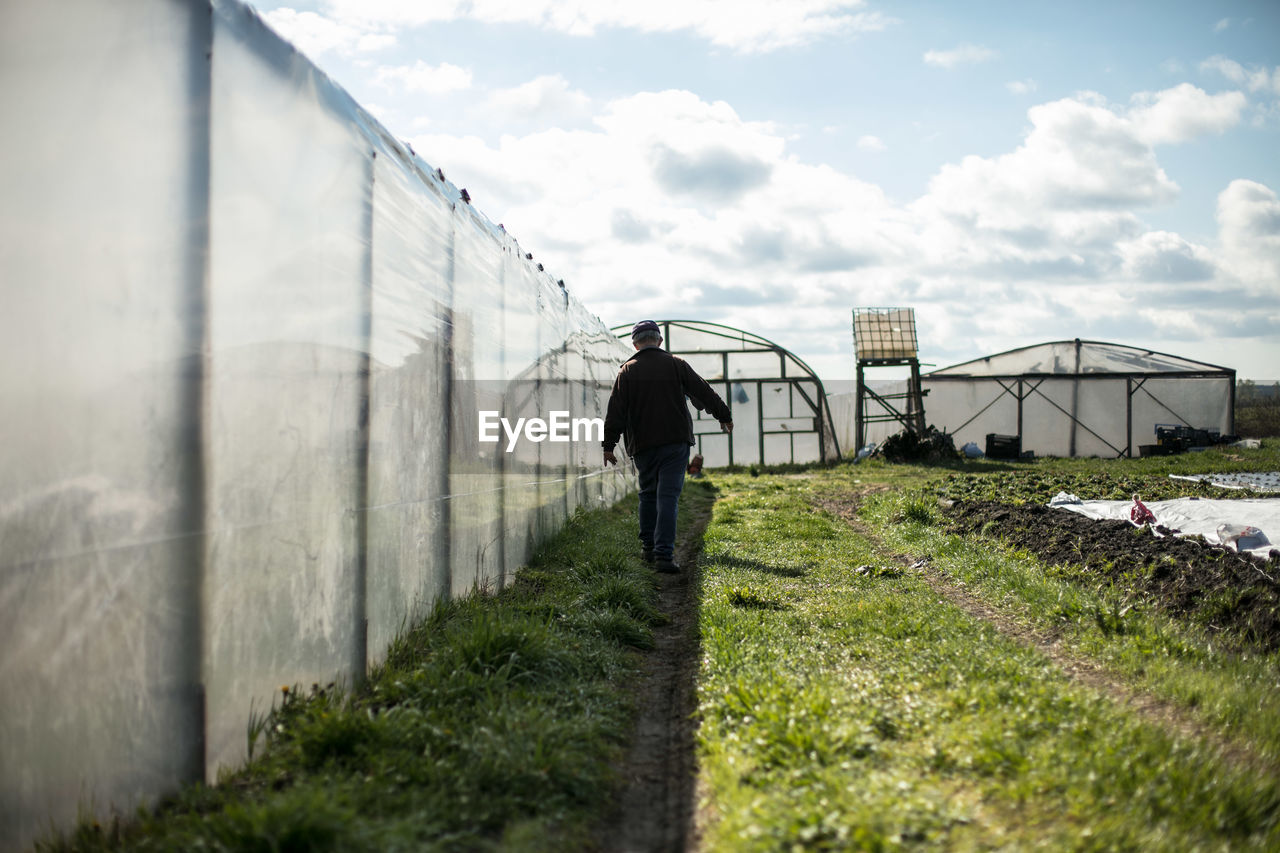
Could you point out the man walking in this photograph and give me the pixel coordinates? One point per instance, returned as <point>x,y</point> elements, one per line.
<point>648,408</point>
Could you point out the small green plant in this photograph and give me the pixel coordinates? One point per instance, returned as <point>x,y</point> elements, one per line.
<point>1110,618</point>
<point>751,599</point>
<point>916,509</point>
<point>254,728</point>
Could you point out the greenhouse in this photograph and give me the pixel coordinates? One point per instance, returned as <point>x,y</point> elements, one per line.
<point>1079,398</point>
<point>780,410</point>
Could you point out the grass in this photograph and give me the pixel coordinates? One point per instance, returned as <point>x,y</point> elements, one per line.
<point>1171,659</point>
<point>846,704</point>
<point>843,702</point>
<point>496,723</point>
<point>1174,660</point>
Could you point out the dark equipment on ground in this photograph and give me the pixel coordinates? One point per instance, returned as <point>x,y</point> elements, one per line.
<point>1172,439</point>
<point>1003,446</point>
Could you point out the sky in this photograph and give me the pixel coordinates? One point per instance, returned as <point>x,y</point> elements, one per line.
<point>1015,172</point>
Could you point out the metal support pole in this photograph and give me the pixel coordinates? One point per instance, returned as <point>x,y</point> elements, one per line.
<point>916,399</point>
<point>760,416</point>
<point>360,593</point>
<point>860,429</point>
<point>728,390</point>
<point>1231,407</point>
<point>1128,417</point>
<point>1075,402</point>
<point>822,436</point>
<point>1020,396</point>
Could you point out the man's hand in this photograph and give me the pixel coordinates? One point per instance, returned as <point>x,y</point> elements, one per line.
<point>726,426</point>
<point>609,458</point>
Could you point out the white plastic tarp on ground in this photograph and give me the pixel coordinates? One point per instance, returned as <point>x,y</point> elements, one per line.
<point>1268,481</point>
<point>1196,516</point>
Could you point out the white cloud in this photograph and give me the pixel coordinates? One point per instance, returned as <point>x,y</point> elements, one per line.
<point>1254,79</point>
<point>1078,157</point>
<point>741,25</point>
<point>421,77</point>
<point>1021,87</point>
<point>1222,24</point>
<point>1184,112</point>
<point>1249,228</point>
<point>316,35</point>
<point>1263,114</point>
<point>665,191</point>
<point>871,143</point>
<point>965,54</point>
<point>1161,256</point>
<point>666,204</point>
<point>547,98</point>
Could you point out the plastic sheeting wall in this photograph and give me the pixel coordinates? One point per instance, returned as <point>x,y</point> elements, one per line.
<point>842,398</point>
<point>1113,416</point>
<point>245,338</point>
<point>973,407</point>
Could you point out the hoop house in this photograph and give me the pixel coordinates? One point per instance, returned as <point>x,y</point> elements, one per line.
<point>780,411</point>
<point>1079,398</point>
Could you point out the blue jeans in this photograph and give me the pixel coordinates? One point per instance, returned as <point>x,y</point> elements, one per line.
<point>661,480</point>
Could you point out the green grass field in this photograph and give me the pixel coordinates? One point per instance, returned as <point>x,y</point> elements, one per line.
<point>846,703</point>
<point>845,699</point>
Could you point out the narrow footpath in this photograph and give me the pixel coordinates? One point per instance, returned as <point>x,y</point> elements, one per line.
<point>655,813</point>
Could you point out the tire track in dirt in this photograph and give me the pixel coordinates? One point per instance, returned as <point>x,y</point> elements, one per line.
<point>655,812</point>
<point>1083,670</point>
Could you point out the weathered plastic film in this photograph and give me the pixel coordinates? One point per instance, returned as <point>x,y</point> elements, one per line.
<point>246,339</point>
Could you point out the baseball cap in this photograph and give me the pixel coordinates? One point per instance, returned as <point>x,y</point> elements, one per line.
<point>645,326</point>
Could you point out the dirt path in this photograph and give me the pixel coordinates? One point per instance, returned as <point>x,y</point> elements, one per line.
<point>1083,670</point>
<point>657,805</point>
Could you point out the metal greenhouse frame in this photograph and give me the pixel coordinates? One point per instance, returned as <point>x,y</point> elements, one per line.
<point>1077,398</point>
<point>753,372</point>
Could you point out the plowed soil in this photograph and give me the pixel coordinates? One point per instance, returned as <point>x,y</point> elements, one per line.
<point>1235,596</point>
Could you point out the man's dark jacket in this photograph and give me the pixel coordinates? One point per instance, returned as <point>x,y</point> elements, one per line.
<point>647,404</point>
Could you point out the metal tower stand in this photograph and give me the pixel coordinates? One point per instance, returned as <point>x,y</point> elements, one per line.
<point>886,337</point>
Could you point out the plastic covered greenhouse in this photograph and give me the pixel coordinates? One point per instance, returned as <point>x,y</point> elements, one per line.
<point>779,404</point>
<point>1079,398</point>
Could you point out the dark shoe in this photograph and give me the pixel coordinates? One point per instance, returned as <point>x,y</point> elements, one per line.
<point>647,555</point>
<point>666,566</point>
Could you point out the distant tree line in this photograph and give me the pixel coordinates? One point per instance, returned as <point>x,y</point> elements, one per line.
<point>1257,409</point>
